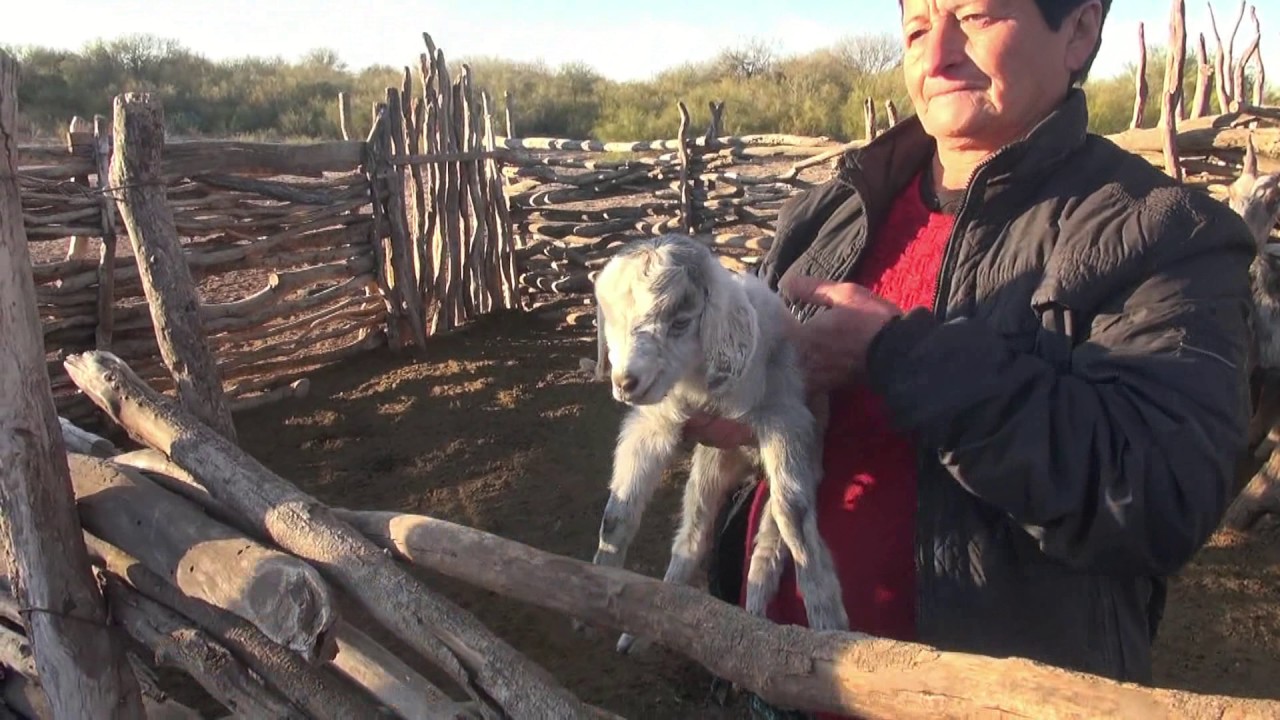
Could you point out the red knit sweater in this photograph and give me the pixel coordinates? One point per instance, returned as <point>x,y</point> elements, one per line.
<point>867,499</point>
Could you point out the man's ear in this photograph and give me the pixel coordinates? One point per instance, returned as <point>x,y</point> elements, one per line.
<point>729,331</point>
<point>1084,25</point>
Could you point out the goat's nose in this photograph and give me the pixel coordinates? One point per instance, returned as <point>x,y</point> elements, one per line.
<point>629,382</point>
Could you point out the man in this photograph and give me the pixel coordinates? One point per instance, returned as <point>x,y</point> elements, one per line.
<point>1036,346</point>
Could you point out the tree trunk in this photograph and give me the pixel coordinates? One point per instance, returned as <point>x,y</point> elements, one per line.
<point>490,670</point>
<point>840,672</point>
<point>83,665</point>
<point>316,690</point>
<point>281,595</point>
<point>176,642</point>
<point>166,279</point>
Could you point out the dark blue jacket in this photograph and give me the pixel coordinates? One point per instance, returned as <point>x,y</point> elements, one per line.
<point>1080,389</point>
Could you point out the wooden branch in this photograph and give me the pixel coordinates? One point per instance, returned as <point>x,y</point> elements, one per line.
<point>183,159</point>
<point>85,442</point>
<point>84,669</point>
<point>490,670</point>
<point>176,642</point>
<point>317,690</point>
<point>846,673</point>
<point>171,293</point>
<point>281,595</point>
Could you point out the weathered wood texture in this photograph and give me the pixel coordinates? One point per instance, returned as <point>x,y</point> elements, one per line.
<point>845,673</point>
<point>166,279</point>
<point>491,671</point>
<point>176,642</point>
<point>281,595</point>
<point>317,690</point>
<point>85,675</point>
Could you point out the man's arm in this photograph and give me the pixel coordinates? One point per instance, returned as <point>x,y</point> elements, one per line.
<point>1124,462</point>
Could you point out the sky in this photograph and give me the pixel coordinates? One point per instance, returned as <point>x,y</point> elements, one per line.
<point>623,40</point>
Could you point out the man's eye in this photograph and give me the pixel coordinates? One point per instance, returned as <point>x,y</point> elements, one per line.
<point>680,325</point>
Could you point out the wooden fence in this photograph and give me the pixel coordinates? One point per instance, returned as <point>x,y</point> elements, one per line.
<point>308,254</point>
<point>304,254</point>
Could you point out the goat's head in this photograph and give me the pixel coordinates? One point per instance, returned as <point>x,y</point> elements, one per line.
<point>1256,198</point>
<point>666,308</point>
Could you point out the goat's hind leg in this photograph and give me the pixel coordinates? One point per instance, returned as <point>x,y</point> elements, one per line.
<point>713,474</point>
<point>769,557</point>
<point>790,454</point>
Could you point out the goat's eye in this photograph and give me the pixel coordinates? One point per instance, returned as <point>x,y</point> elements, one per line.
<point>680,325</point>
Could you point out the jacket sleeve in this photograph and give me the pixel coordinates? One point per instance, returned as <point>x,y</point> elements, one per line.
<point>1123,459</point>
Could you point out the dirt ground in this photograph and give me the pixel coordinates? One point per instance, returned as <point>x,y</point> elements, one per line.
<point>495,428</point>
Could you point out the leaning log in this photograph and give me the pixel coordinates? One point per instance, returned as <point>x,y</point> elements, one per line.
<point>316,690</point>
<point>839,672</point>
<point>166,279</point>
<point>66,613</point>
<point>487,668</point>
<point>371,666</point>
<point>281,595</point>
<point>174,641</point>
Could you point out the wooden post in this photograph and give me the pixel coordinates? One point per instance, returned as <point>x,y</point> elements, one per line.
<point>1173,87</point>
<point>402,255</point>
<point>344,112</point>
<point>869,118</point>
<point>891,112</point>
<point>686,190</point>
<point>166,279</point>
<point>83,668</point>
<point>107,252</point>
<point>78,247</point>
<point>1140,80</point>
<point>507,102</point>
<point>1204,71</point>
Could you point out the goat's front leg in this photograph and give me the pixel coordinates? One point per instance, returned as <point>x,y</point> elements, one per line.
<point>713,474</point>
<point>790,451</point>
<point>646,445</point>
<point>645,448</point>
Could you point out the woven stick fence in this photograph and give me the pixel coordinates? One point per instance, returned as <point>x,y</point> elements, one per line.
<point>304,255</point>
<point>573,202</point>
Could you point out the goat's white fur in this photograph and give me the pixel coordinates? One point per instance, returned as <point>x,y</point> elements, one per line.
<point>1257,199</point>
<point>677,333</point>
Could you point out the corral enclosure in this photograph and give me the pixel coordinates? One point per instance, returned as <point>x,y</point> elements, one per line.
<point>397,323</point>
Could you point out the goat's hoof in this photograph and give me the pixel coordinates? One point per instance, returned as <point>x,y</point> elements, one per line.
<point>630,645</point>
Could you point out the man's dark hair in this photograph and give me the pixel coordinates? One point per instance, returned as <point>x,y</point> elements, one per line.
<point>1055,12</point>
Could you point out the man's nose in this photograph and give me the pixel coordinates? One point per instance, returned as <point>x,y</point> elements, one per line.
<point>943,45</point>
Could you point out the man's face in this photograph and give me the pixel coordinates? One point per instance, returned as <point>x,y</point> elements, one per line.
<point>981,73</point>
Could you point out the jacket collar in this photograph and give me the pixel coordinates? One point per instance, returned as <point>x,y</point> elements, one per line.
<point>882,167</point>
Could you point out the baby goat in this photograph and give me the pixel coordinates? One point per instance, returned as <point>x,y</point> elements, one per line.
<point>681,334</point>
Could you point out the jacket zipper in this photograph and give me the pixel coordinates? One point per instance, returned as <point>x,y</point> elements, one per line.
<point>924,538</point>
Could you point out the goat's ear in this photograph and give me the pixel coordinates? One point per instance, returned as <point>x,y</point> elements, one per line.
<point>729,331</point>
<point>602,346</point>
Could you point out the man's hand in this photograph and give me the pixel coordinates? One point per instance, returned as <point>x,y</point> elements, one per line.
<point>834,342</point>
<point>717,432</point>
<point>833,346</point>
